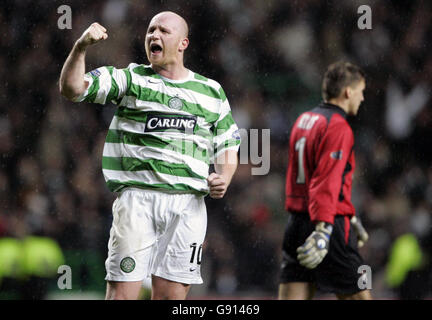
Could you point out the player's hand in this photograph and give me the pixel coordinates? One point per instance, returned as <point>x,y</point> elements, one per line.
<point>362,235</point>
<point>316,246</point>
<point>93,34</point>
<point>217,184</point>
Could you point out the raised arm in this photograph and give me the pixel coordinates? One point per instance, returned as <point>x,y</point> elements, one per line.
<point>72,83</point>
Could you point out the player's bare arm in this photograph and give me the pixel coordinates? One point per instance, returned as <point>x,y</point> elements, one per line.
<point>225,166</point>
<point>72,83</point>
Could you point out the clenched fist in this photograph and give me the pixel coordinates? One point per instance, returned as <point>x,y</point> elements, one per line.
<point>93,34</point>
<point>218,185</point>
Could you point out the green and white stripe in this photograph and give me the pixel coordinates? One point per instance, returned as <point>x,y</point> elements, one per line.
<point>170,160</point>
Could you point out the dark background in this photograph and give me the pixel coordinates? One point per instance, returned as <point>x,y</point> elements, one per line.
<point>269,57</point>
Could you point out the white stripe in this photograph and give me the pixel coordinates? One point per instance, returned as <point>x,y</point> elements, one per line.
<point>89,79</point>
<point>209,103</point>
<point>222,138</point>
<point>224,135</point>
<point>127,125</point>
<point>133,65</point>
<point>151,177</point>
<point>104,85</point>
<point>224,110</point>
<point>133,103</point>
<point>121,80</point>
<point>140,152</point>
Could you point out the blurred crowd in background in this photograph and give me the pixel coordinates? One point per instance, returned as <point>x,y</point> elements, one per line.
<point>269,57</point>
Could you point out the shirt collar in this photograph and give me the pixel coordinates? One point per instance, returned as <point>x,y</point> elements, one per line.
<point>334,107</point>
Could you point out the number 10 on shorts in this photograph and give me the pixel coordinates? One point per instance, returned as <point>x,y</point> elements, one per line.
<point>195,253</point>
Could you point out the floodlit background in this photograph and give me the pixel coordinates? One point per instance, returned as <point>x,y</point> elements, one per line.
<point>269,57</point>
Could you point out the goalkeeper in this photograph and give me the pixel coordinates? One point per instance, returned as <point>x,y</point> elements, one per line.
<point>323,234</point>
<point>170,124</point>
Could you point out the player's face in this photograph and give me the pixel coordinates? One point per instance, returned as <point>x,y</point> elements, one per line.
<point>164,40</point>
<point>356,97</point>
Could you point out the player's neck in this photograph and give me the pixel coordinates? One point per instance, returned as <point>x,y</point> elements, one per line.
<point>340,103</point>
<point>172,71</point>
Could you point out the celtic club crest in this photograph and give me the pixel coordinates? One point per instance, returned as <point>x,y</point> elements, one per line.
<point>127,264</point>
<point>175,103</point>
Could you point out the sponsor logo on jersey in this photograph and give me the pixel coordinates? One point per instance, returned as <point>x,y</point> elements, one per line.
<point>170,122</point>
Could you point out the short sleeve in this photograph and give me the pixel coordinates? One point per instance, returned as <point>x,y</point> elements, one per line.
<point>105,84</point>
<point>226,133</point>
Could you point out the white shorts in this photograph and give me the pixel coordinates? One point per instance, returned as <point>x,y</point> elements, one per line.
<point>156,233</point>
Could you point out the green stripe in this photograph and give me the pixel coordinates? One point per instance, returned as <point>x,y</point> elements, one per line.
<point>148,140</point>
<point>114,91</point>
<point>117,186</point>
<point>132,114</point>
<point>145,71</point>
<point>226,122</point>
<point>128,78</point>
<point>134,164</point>
<point>119,136</point>
<point>147,94</point>
<point>222,94</point>
<point>196,87</point>
<point>200,77</point>
<point>93,90</point>
<point>203,133</point>
<point>231,143</point>
<point>190,85</point>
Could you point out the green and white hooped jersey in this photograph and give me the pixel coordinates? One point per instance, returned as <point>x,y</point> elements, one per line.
<point>165,133</point>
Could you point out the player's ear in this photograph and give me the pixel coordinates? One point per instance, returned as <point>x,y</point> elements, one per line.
<point>184,43</point>
<point>347,92</point>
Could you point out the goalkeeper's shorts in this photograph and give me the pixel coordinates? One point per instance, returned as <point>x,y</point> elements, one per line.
<point>338,272</point>
<point>156,233</point>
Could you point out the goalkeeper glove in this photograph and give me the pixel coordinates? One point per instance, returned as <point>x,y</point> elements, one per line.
<point>316,246</point>
<point>362,235</point>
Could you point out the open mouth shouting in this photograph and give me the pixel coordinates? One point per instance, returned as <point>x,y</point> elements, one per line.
<point>155,49</point>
